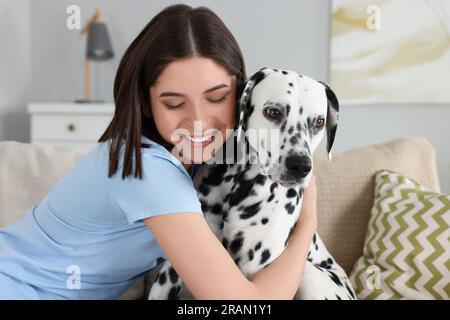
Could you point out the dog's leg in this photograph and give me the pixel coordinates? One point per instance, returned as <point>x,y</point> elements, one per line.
<point>167,284</point>
<point>323,278</point>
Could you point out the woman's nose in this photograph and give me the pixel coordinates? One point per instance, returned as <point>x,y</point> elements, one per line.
<point>198,113</point>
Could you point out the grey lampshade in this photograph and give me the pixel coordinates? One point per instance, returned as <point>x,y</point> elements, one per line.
<point>98,42</point>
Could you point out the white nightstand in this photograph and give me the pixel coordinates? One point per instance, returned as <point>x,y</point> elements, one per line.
<point>69,124</point>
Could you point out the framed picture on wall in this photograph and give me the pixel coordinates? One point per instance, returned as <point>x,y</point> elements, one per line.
<point>390,51</point>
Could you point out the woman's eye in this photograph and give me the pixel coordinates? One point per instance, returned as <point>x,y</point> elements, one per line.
<point>274,113</point>
<point>218,100</point>
<point>173,106</point>
<point>320,123</point>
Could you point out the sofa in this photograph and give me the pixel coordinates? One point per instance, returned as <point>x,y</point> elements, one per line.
<point>345,188</point>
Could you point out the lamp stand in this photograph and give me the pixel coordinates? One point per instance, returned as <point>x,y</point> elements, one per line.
<point>87,84</point>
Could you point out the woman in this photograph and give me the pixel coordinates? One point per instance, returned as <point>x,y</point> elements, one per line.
<point>129,201</point>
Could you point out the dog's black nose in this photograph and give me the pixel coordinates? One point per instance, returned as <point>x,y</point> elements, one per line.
<point>298,165</point>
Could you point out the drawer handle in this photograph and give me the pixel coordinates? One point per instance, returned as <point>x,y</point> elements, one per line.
<point>71,127</point>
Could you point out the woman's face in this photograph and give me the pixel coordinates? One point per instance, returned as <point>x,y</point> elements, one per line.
<point>193,103</point>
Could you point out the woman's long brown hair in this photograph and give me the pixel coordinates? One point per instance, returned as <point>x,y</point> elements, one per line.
<point>178,31</point>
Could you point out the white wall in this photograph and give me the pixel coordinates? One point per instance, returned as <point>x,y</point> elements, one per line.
<point>15,70</point>
<point>284,34</point>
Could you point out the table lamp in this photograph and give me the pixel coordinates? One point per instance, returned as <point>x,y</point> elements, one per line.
<point>98,48</point>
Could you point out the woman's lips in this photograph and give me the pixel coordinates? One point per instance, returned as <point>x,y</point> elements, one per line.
<point>199,142</point>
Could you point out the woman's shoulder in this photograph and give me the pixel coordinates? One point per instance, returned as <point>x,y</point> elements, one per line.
<point>152,151</point>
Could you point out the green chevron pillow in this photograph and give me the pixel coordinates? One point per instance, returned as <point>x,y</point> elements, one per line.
<point>406,253</point>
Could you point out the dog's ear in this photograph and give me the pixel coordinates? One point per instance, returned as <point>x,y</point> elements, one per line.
<point>332,117</point>
<point>244,99</point>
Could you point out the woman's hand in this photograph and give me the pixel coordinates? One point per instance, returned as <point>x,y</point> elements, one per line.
<point>308,213</point>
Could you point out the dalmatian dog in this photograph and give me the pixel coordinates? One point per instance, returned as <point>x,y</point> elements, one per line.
<point>252,206</point>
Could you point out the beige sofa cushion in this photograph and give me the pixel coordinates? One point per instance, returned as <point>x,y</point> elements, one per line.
<point>28,172</point>
<point>345,188</point>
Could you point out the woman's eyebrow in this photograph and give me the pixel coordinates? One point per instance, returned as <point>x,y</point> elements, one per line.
<point>169,93</point>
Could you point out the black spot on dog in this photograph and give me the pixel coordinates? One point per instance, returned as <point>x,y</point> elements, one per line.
<point>276,70</point>
<point>298,126</point>
<point>291,129</point>
<point>258,246</point>
<point>289,208</point>
<point>216,208</point>
<point>339,298</point>
<point>250,255</point>
<point>225,243</point>
<point>290,84</point>
<point>271,197</point>
<point>289,236</point>
<point>251,210</point>
<point>297,200</point>
<point>264,220</point>
<point>293,140</point>
<point>159,260</point>
<point>314,238</point>
<point>324,264</point>
<point>352,294</point>
<point>236,261</point>
<point>288,107</point>
<point>273,186</point>
<point>269,154</point>
<point>236,244</point>
<point>301,110</point>
<point>173,293</point>
<point>291,193</point>
<point>215,176</point>
<point>253,223</point>
<point>284,72</point>
<point>260,179</point>
<point>283,126</point>
<point>289,91</point>
<point>173,276</point>
<point>245,188</point>
<point>300,76</point>
<point>335,278</point>
<point>162,278</point>
<point>203,189</point>
<point>265,255</point>
<point>282,147</point>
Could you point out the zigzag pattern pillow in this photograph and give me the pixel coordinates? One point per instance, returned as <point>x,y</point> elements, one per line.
<point>407,248</point>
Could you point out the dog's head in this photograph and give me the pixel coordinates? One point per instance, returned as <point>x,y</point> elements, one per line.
<point>283,116</point>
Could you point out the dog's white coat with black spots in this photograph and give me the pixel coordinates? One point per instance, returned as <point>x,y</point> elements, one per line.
<point>253,206</point>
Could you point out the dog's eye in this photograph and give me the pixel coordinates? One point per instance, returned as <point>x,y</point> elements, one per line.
<point>274,113</point>
<point>320,123</point>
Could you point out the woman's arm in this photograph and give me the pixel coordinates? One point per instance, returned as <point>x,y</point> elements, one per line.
<point>209,271</point>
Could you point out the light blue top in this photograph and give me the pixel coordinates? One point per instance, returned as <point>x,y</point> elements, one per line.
<point>86,238</point>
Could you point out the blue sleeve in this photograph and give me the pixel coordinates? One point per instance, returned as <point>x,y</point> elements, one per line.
<point>164,189</point>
